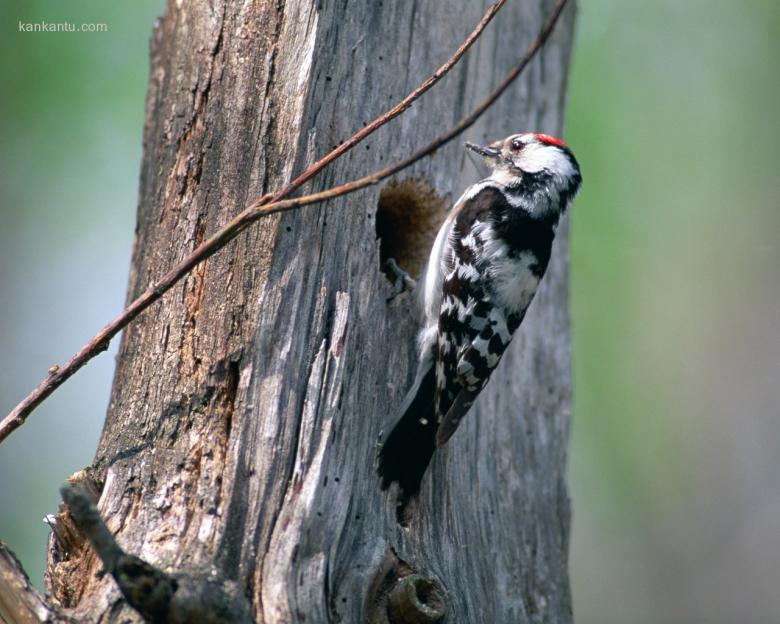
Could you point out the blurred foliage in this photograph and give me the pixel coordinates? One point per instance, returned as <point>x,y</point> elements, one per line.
<point>675,299</point>
<point>71,117</point>
<point>676,311</point>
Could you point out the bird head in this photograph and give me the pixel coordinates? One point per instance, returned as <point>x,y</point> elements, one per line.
<point>530,155</point>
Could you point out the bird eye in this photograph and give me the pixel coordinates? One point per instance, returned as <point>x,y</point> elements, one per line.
<point>517,145</point>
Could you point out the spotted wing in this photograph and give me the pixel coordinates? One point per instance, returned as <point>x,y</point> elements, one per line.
<point>473,331</point>
<point>468,372</point>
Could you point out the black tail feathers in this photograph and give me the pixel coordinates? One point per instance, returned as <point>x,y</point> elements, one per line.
<point>408,449</point>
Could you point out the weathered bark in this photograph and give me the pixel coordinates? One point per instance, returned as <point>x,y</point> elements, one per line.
<point>246,408</point>
<point>20,602</point>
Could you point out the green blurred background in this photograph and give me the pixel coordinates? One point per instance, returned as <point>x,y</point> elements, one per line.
<point>673,107</point>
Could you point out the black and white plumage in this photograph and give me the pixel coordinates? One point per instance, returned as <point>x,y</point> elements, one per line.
<point>483,271</point>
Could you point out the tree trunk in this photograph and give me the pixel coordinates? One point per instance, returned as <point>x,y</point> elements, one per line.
<point>247,406</point>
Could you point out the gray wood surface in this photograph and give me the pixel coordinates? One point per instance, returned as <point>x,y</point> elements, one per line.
<point>246,408</point>
<point>20,601</point>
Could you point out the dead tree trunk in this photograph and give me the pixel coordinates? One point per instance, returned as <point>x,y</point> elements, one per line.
<point>247,406</point>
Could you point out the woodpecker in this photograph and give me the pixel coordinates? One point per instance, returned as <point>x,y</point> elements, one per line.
<point>482,273</point>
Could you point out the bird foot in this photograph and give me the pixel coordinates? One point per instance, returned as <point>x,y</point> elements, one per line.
<point>402,282</point>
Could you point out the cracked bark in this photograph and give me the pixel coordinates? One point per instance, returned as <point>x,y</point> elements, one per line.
<point>246,407</point>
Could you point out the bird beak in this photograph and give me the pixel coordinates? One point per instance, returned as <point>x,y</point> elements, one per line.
<point>486,152</point>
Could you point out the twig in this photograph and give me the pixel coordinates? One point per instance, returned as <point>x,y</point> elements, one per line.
<point>258,209</point>
<point>399,108</point>
<point>264,206</point>
<point>198,596</point>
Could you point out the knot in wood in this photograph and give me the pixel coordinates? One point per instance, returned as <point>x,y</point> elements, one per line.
<point>416,600</point>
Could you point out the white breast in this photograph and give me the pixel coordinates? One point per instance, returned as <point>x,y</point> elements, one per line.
<point>513,284</point>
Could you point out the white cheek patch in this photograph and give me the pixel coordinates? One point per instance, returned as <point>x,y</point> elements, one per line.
<point>538,157</point>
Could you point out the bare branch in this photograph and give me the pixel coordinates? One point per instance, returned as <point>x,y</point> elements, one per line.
<point>197,596</point>
<point>272,204</point>
<point>19,600</point>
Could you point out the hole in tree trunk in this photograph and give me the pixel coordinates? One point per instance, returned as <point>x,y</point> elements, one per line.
<point>408,216</point>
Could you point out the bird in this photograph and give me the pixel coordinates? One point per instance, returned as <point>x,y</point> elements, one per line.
<point>483,271</point>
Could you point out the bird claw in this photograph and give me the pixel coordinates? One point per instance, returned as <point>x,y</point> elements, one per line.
<point>402,282</point>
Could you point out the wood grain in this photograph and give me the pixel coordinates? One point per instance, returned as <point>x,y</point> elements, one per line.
<point>246,409</point>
